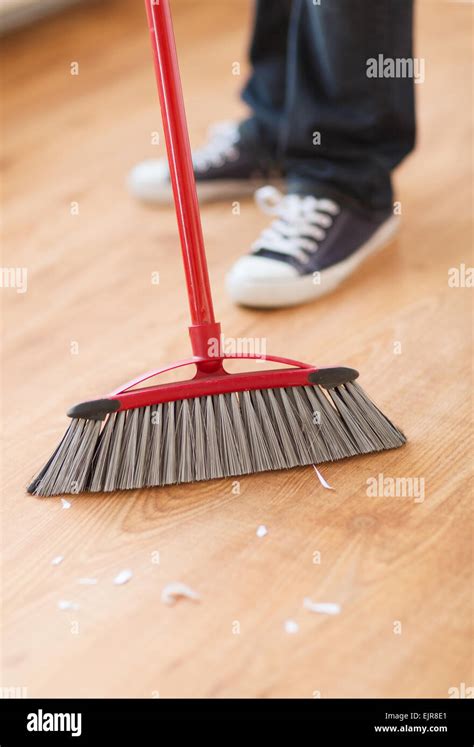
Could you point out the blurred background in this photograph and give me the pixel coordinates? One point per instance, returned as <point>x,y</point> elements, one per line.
<point>17,13</point>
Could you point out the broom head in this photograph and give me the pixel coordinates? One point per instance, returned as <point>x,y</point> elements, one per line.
<point>216,425</point>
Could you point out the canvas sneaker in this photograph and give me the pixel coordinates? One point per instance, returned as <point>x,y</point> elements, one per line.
<point>312,245</point>
<point>228,165</point>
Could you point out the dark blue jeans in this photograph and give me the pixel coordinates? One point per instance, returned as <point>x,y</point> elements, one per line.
<point>336,130</point>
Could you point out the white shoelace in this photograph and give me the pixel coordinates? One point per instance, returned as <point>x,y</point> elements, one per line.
<point>301,222</point>
<point>220,147</point>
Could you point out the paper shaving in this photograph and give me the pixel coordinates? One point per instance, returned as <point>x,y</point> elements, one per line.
<point>123,577</point>
<point>322,480</point>
<point>324,608</point>
<point>87,581</point>
<point>65,503</point>
<point>291,627</point>
<point>176,589</point>
<point>262,531</point>
<point>57,560</point>
<point>64,604</point>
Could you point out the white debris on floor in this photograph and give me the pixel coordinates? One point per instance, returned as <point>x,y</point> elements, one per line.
<point>291,627</point>
<point>57,560</point>
<point>88,581</point>
<point>65,503</point>
<point>64,604</point>
<point>262,531</point>
<point>123,577</point>
<point>173,591</point>
<point>323,608</point>
<point>321,479</point>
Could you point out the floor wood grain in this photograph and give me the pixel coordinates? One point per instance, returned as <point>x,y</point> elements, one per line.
<point>91,318</point>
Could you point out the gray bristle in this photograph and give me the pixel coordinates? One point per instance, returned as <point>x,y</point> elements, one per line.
<point>185,443</point>
<point>100,463</point>
<point>143,452</point>
<point>265,419</point>
<point>289,412</point>
<point>335,437</point>
<point>216,436</point>
<point>259,448</point>
<point>213,458</point>
<point>229,450</point>
<point>128,456</point>
<point>281,428</point>
<point>113,457</point>
<point>168,445</point>
<point>153,473</point>
<point>240,434</point>
<point>199,441</point>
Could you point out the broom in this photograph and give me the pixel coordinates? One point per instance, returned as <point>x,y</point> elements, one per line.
<point>217,424</point>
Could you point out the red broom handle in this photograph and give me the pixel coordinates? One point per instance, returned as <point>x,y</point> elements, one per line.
<point>181,165</point>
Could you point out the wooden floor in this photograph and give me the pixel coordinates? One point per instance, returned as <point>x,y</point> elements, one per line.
<point>91,319</point>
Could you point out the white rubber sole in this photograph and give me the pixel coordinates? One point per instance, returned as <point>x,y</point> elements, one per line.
<point>212,191</point>
<point>265,292</point>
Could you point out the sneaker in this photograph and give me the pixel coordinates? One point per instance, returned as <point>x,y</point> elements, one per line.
<point>309,249</point>
<point>226,166</point>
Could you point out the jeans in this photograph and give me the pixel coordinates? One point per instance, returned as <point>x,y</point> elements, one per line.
<point>335,129</point>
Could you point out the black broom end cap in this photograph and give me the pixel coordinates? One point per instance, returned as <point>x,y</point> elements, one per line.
<point>96,409</point>
<point>332,377</point>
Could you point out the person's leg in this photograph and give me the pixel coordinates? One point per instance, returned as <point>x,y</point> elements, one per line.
<point>343,132</point>
<point>344,129</point>
<point>237,158</point>
<point>265,90</point>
